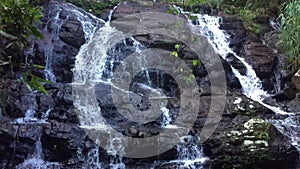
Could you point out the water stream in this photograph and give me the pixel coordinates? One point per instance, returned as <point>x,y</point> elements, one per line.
<point>97,65</point>
<point>209,26</point>
<point>36,160</point>
<point>54,24</point>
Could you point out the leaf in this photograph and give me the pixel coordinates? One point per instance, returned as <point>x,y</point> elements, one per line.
<point>38,66</point>
<point>174,53</point>
<point>35,83</point>
<point>195,62</point>
<point>35,32</point>
<point>177,46</point>
<point>7,35</point>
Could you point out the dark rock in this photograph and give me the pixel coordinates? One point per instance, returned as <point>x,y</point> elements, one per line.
<point>260,57</point>
<point>63,36</point>
<point>272,40</point>
<point>71,33</point>
<point>237,33</point>
<point>236,63</point>
<point>228,146</point>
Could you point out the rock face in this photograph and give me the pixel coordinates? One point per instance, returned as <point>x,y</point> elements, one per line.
<point>63,35</point>
<point>262,59</point>
<point>272,40</point>
<point>237,143</point>
<point>69,33</point>
<point>138,7</point>
<point>236,30</point>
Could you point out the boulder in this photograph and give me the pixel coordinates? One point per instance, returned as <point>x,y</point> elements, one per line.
<point>261,58</point>
<point>71,33</point>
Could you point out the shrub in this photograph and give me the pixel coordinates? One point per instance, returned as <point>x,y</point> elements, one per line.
<point>96,7</point>
<point>16,26</point>
<point>290,36</point>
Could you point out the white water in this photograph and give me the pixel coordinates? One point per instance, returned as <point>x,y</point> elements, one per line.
<point>36,161</point>
<point>190,154</point>
<point>114,148</point>
<point>93,159</point>
<point>290,127</point>
<point>30,115</point>
<point>89,24</point>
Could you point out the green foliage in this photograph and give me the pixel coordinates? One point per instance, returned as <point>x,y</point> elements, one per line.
<point>17,18</point>
<point>290,36</point>
<point>96,7</point>
<point>175,53</point>
<point>17,25</point>
<point>34,83</point>
<point>249,17</point>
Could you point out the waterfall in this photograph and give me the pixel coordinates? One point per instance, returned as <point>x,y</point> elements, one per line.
<point>95,64</point>
<point>93,159</point>
<point>54,24</point>
<point>114,148</point>
<point>30,114</point>
<point>209,26</point>
<point>190,154</point>
<point>36,160</point>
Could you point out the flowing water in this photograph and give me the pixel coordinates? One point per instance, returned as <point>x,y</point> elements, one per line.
<point>189,156</point>
<point>36,161</point>
<point>54,24</point>
<point>209,26</point>
<point>97,65</point>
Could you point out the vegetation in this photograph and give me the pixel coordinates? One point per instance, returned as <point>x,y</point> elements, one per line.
<point>248,10</point>
<point>95,7</point>
<point>17,25</point>
<point>290,36</point>
<point>251,10</point>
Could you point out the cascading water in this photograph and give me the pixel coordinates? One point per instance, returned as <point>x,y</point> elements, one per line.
<point>114,148</point>
<point>209,26</point>
<point>190,154</point>
<point>53,26</point>
<point>36,161</point>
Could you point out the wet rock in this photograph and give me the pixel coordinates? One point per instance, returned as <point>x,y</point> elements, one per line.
<point>235,28</point>
<point>71,33</point>
<point>272,40</point>
<point>287,93</point>
<point>260,57</point>
<point>235,143</point>
<point>236,63</point>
